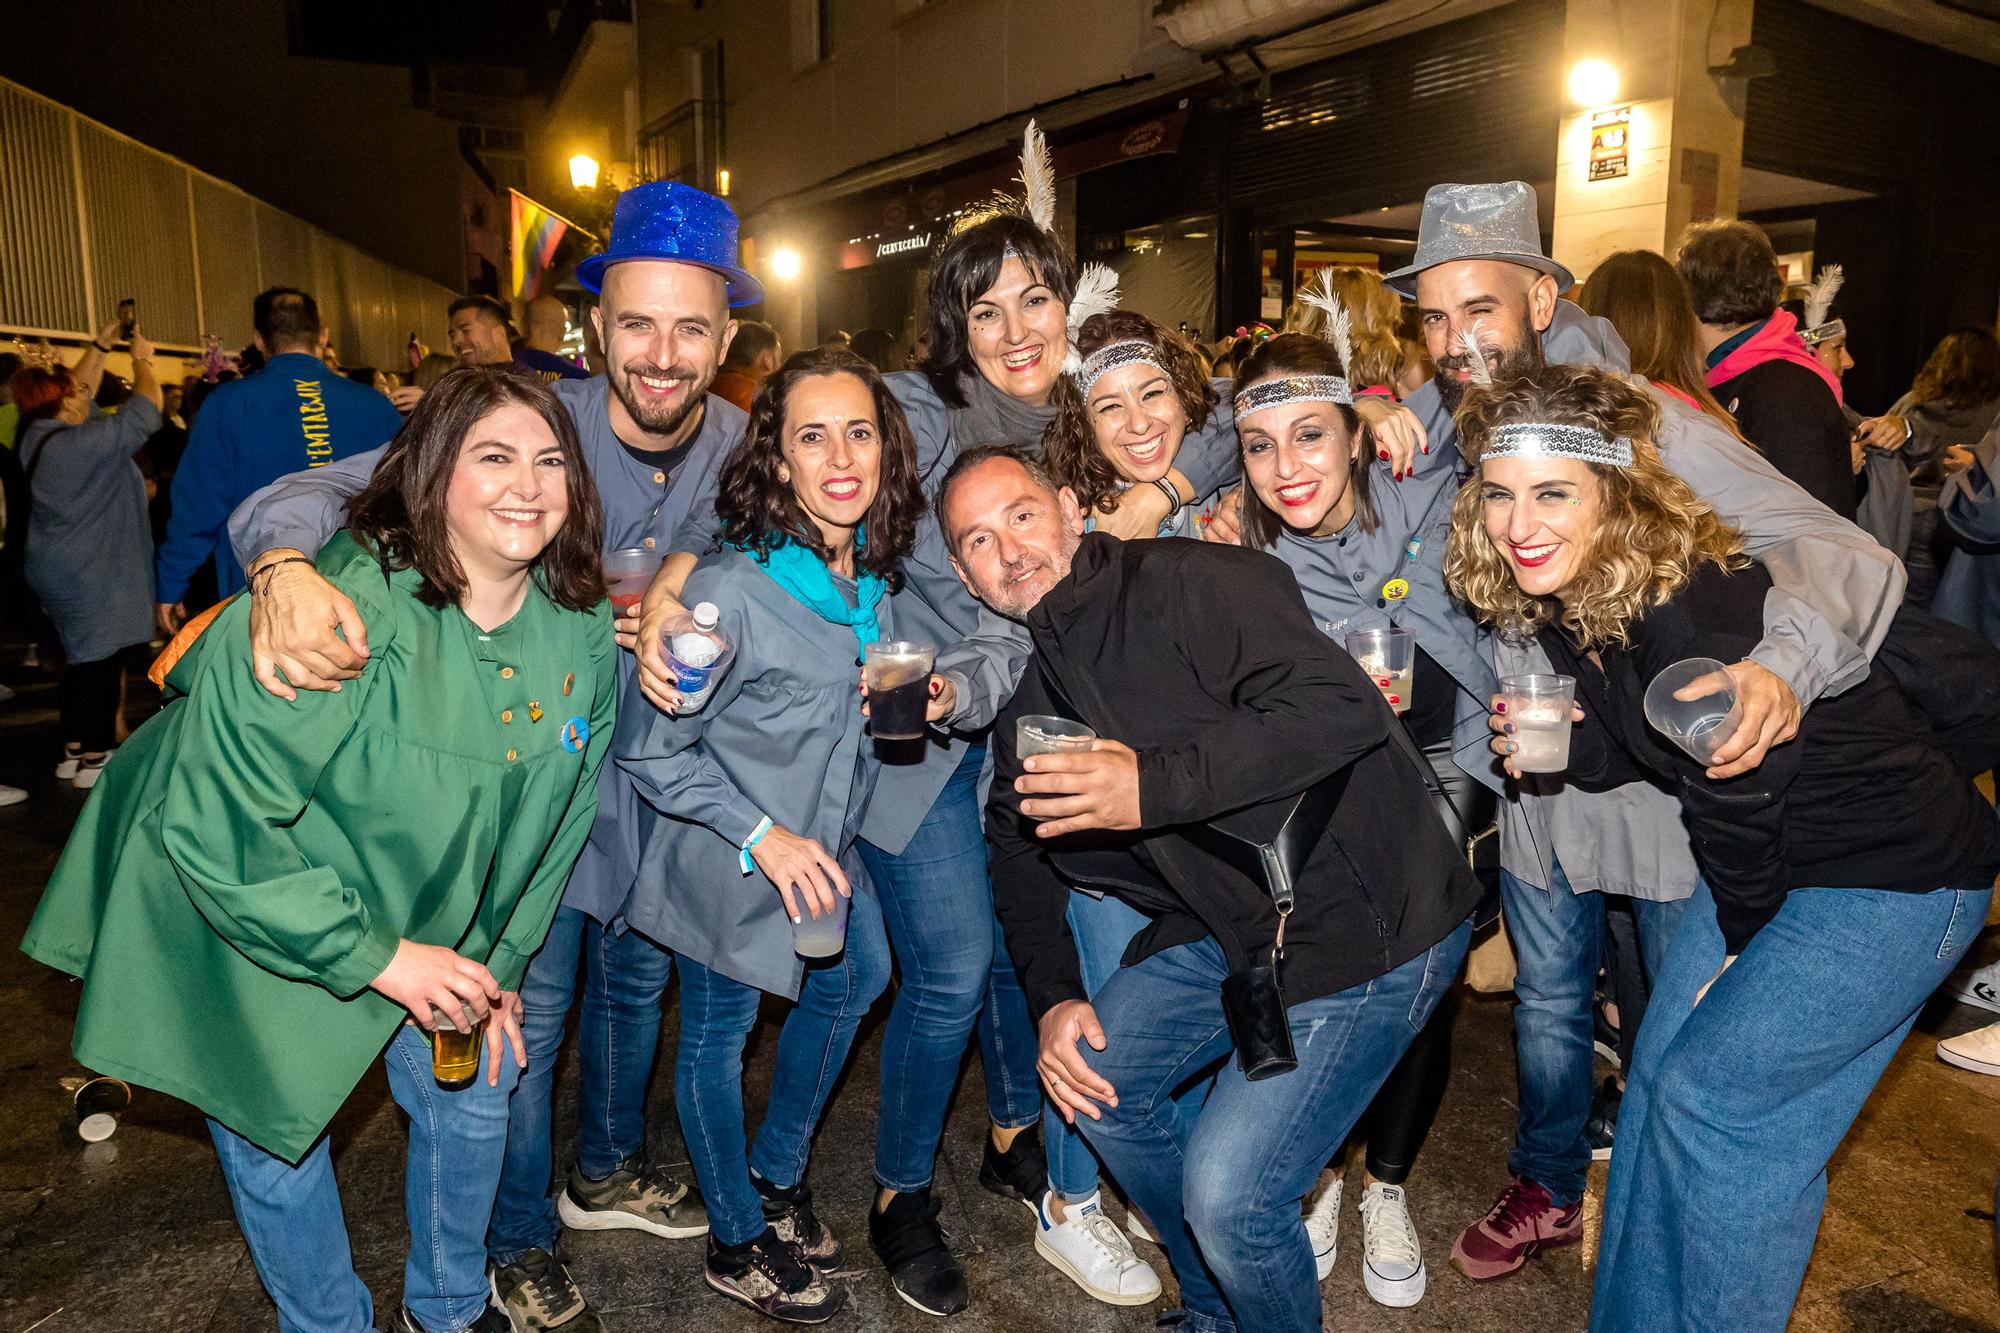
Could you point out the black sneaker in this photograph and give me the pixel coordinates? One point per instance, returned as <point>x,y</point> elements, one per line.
<point>535,1293</point>
<point>772,1278</point>
<point>1021,1172</point>
<point>490,1321</point>
<point>790,1213</point>
<point>907,1239</point>
<point>1603,1122</point>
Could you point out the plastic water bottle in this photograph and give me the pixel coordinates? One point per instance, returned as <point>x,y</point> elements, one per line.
<point>696,654</point>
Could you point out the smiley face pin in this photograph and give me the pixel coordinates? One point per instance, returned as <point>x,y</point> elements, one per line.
<point>1395,590</point>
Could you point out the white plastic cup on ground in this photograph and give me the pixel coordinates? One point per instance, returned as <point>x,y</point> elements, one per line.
<point>1539,707</point>
<point>824,935</point>
<point>1041,734</point>
<point>99,1103</point>
<point>627,575</point>
<point>1699,726</point>
<point>1389,656</point>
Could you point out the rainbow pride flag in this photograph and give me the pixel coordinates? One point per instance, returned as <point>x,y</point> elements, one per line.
<point>533,236</point>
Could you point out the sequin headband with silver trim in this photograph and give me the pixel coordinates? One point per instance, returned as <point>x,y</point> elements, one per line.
<point>1543,439</point>
<point>1821,333</point>
<point>1292,389</point>
<point>1116,356</point>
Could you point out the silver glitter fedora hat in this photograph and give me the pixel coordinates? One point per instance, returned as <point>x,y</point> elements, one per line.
<point>1494,221</point>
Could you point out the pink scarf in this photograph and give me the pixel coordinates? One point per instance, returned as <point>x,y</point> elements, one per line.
<point>1778,340</point>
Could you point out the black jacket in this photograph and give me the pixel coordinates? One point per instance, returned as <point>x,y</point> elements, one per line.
<point>1204,660</point>
<point>1794,419</point>
<point>1865,797</point>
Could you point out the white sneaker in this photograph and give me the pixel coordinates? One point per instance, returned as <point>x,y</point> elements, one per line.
<point>1977,1050</point>
<point>1323,1225</point>
<point>87,773</point>
<point>11,795</point>
<point>1392,1259</point>
<point>1135,1227</point>
<point>72,760</point>
<point>1980,987</point>
<point>1088,1247</point>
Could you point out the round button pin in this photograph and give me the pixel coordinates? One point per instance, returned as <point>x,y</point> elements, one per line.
<point>576,734</point>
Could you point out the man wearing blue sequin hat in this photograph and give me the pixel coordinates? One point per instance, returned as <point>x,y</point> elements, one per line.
<point>655,439</point>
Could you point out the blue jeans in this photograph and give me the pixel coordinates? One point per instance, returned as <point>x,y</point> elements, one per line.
<point>1101,927</point>
<point>1222,1186</point>
<point>938,905</point>
<point>292,1221</point>
<point>1732,1109</point>
<point>1558,938</point>
<point>717,1014</point>
<point>617,1033</point>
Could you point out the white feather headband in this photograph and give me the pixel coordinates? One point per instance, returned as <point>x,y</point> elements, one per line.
<point>1816,328</point>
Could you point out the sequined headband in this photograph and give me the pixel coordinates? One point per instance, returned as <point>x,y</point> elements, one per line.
<point>1292,389</point>
<point>1540,439</point>
<point>1821,333</point>
<point>1116,356</point>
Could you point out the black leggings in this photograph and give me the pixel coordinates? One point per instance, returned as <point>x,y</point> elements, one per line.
<point>1400,1117</point>
<point>87,696</point>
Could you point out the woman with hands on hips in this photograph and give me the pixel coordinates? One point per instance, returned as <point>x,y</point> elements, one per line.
<point>763,785</point>
<point>261,896</point>
<point>1820,924</point>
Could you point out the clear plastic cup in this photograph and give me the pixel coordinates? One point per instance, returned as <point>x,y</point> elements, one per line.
<point>627,575</point>
<point>899,688</point>
<point>1389,656</point>
<point>1041,734</point>
<point>1539,707</point>
<point>821,936</point>
<point>1699,726</point>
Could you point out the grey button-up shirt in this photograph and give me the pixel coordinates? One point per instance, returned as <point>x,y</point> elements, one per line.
<point>644,505</point>
<point>1835,591</point>
<point>782,737</point>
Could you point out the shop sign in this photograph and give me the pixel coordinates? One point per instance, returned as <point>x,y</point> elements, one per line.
<point>1610,138</point>
<point>885,249</point>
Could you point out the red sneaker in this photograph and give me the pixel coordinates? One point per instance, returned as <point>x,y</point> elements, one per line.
<point>1524,1221</point>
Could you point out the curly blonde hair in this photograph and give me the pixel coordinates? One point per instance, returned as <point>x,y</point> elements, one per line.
<point>1653,534</point>
<point>1376,314</point>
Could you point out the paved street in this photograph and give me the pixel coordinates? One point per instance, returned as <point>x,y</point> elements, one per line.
<point>136,1233</point>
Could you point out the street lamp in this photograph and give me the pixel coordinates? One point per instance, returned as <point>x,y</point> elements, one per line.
<point>1593,82</point>
<point>583,171</point>
<point>785,263</point>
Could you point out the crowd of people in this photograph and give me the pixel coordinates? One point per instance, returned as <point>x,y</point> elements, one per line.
<point>1235,735</point>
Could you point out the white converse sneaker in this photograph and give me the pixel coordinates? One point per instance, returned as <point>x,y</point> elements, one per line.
<point>72,760</point>
<point>1980,987</point>
<point>1977,1050</point>
<point>1323,1225</point>
<point>1088,1247</point>
<point>1392,1259</point>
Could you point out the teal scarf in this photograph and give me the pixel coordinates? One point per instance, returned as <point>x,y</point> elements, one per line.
<point>805,576</point>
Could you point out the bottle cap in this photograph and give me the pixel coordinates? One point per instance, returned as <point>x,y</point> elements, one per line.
<point>706,616</point>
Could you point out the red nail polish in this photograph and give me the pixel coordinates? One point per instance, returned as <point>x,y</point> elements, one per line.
<point>1383,455</point>
<point>1500,707</point>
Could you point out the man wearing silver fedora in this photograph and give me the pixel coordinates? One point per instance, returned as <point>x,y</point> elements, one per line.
<point>1479,270</point>
<point>655,439</point>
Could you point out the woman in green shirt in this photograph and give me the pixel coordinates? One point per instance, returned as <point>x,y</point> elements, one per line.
<point>261,896</point>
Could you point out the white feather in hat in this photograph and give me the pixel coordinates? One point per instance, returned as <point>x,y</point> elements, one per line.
<point>1339,330</point>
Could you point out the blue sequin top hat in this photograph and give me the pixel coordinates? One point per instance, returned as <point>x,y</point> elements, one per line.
<point>672,221</point>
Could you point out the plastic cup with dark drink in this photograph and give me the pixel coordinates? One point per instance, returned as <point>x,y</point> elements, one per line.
<point>824,935</point>
<point>455,1054</point>
<point>627,575</point>
<point>899,688</point>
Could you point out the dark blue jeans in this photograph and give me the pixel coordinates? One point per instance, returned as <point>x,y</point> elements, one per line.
<point>1222,1186</point>
<point>955,974</point>
<point>717,1014</point>
<point>1558,938</point>
<point>292,1221</point>
<point>1733,1106</point>
<point>624,977</point>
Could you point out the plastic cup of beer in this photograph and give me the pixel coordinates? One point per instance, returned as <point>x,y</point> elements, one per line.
<point>824,935</point>
<point>455,1054</point>
<point>1389,656</point>
<point>627,575</point>
<point>1038,734</point>
<point>1699,726</point>
<point>1539,707</point>
<point>899,688</point>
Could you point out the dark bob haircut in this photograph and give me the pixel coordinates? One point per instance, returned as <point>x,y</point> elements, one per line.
<point>760,512</point>
<point>965,269</point>
<point>1070,441</point>
<point>1298,354</point>
<point>401,515</point>
<point>1731,272</point>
